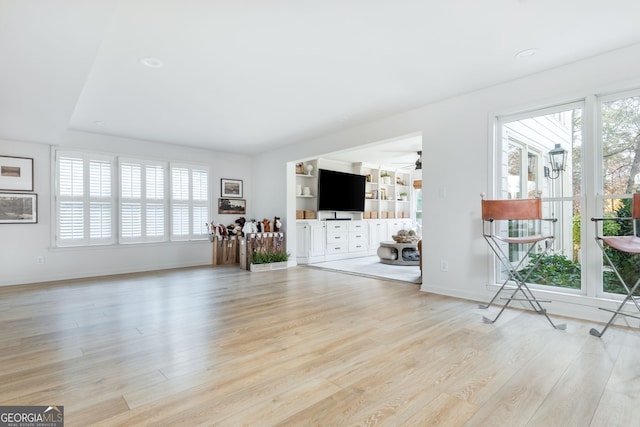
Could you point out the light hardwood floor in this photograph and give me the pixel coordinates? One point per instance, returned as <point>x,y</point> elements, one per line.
<point>298,347</point>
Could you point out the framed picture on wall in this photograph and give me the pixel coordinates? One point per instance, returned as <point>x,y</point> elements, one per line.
<point>16,173</point>
<point>231,188</point>
<point>232,206</point>
<point>18,208</point>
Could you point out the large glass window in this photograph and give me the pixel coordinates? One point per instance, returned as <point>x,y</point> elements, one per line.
<point>526,172</point>
<point>612,153</point>
<point>620,165</point>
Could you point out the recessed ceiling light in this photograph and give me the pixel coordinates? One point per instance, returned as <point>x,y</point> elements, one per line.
<point>98,122</point>
<point>151,62</point>
<point>527,53</point>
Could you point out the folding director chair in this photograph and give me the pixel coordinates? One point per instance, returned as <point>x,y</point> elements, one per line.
<point>626,244</point>
<point>496,215</point>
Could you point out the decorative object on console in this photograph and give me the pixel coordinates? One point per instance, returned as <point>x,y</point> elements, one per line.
<point>231,188</point>
<point>277,225</point>
<point>405,236</point>
<point>266,226</point>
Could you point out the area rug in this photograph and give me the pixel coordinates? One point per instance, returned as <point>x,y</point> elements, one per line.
<point>372,267</point>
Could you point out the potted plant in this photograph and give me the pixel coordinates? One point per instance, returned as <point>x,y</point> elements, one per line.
<point>385,177</point>
<point>268,260</point>
<point>404,196</point>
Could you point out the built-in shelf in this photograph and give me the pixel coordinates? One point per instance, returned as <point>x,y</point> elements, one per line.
<point>383,194</point>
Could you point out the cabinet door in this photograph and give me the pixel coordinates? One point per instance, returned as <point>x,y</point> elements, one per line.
<point>303,234</point>
<point>393,226</point>
<point>377,234</point>
<point>317,240</point>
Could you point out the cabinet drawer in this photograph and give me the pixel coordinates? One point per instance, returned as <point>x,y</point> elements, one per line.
<point>337,248</point>
<point>337,226</point>
<point>336,238</point>
<point>358,236</point>
<point>357,226</point>
<point>357,245</point>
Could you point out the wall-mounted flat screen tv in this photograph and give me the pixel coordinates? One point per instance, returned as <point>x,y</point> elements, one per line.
<point>340,191</point>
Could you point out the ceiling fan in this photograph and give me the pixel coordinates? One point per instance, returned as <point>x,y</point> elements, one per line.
<point>417,165</point>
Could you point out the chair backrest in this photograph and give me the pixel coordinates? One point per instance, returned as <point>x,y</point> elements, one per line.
<point>635,211</point>
<point>515,209</point>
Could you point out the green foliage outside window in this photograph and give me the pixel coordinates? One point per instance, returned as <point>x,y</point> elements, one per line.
<point>555,269</point>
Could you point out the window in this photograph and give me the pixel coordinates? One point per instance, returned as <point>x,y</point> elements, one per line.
<point>189,202</point>
<point>572,196</point>
<point>620,172</point>
<point>139,201</point>
<point>523,146</point>
<point>84,199</point>
<point>142,201</point>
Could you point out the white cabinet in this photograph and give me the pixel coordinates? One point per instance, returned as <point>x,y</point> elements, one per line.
<point>377,234</point>
<point>337,237</point>
<point>317,242</point>
<point>358,236</point>
<point>310,241</point>
<point>303,237</point>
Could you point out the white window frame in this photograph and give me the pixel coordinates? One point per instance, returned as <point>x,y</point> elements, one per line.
<point>500,187</point>
<point>196,206</point>
<point>84,199</point>
<point>187,204</point>
<point>143,200</point>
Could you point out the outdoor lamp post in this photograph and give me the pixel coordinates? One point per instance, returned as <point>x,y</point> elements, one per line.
<point>558,160</point>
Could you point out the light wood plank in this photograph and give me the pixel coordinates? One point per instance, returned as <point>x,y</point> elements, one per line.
<point>302,346</point>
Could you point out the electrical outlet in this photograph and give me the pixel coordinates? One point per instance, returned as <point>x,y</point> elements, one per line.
<point>444,265</point>
<point>40,260</point>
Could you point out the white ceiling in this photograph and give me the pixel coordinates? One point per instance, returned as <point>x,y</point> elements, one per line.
<point>246,76</point>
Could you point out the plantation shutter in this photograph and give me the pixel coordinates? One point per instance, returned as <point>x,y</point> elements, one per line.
<point>155,201</point>
<point>189,202</point>
<point>143,201</point>
<point>200,202</point>
<point>84,199</point>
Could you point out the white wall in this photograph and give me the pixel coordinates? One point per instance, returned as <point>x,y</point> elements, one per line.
<point>21,244</point>
<point>456,168</point>
<point>457,135</point>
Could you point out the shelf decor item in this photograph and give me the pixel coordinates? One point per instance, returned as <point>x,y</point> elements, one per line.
<point>16,173</point>
<point>309,169</point>
<point>231,188</point>
<point>18,208</point>
<point>405,236</point>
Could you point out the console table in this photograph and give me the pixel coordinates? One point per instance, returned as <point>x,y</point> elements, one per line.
<point>389,248</point>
